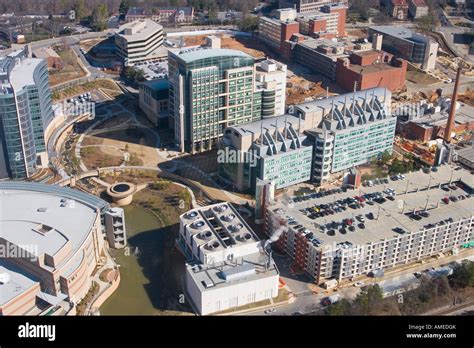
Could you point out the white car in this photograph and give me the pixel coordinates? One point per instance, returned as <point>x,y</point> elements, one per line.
<point>268,311</point>
<point>358,284</point>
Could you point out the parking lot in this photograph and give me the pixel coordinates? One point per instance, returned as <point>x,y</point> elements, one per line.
<point>154,69</point>
<point>387,208</point>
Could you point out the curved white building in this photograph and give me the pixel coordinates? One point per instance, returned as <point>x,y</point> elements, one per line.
<point>51,240</point>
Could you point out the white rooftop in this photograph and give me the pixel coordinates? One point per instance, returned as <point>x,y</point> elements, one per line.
<point>47,221</point>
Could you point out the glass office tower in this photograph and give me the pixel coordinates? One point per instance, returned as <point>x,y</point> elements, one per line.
<point>25,112</point>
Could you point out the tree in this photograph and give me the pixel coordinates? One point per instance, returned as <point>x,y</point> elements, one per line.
<point>426,23</point>
<point>463,276</point>
<point>80,9</point>
<point>124,6</point>
<point>385,157</point>
<point>340,308</point>
<point>362,7</point>
<point>99,17</point>
<point>249,24</point>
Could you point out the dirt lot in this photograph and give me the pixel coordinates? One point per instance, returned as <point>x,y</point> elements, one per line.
<point>420,78</point>
<point>467,97</point>
<point>71,70</point>
<point>251,46</point>
<point>301,89</point>
<point>357,33</point>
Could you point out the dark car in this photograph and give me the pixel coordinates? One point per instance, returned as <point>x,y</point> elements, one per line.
<point>425,214</point>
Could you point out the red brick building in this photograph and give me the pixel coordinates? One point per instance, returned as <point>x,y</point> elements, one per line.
<point>369,69</point>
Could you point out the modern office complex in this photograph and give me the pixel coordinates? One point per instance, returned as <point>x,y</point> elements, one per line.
<point>53,239</point>
<point>324,137</point>
<point>211,89</point>
<point>404,43</point>
<point>139,40</point>
<point>153,99</point>
<point>352,130</point>
<point>271,150</point>
<point>25,113</point>
<point>228,266</point>
<point>359,239</point>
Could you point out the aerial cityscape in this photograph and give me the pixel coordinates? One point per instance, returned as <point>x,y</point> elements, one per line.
<point>237,158</point>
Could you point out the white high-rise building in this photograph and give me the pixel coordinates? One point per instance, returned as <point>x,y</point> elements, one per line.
<point>230,266</point>
<point>139,40</point>
<point>270,78</point>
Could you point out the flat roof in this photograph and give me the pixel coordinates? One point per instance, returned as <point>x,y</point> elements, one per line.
<point>467,153</point>
<point>387,215</point>
<point>157,84</point>
<point>148,29</point>
<point>214,276</point>
<point>26,213</point>
<point>198,53</point>
<point>401,32</point>
<point>372,68</point>
<point>16,280</point>
<point>465,114</point>
<point>45,52</point>
<point>46,216</point>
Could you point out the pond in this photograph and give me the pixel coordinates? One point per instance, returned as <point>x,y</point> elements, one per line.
<point>140,266</point>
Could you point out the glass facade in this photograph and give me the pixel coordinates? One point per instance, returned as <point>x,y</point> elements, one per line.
<point>288,168</point>
<point>358,145</point>
<point>24,114</point>
<point>216,91</point>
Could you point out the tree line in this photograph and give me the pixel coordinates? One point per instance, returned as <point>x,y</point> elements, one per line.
<point>432,293</point>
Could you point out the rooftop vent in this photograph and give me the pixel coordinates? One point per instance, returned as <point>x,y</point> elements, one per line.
<point>43,229</point>
<point>206,235</point>
<point>221,208</point>
<point>197,224</point>
<point>42,210</point>
<point>246,236</point>
<point>212,245</point>
<point>4,278</point>
<point>228,217</point>
<point>191,215</point>
<point>68,203</point>
<point>236,227</point>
